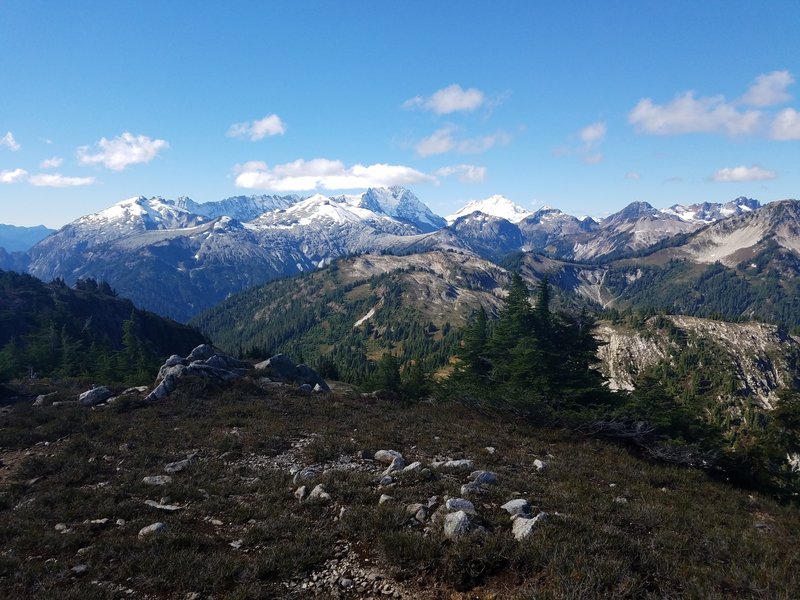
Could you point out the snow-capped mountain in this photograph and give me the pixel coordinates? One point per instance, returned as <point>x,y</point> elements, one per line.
<point>708,212</point>
<point>241,208</point>
<point>403,205</point>
<point>495,206</point>
<point>178,257</point>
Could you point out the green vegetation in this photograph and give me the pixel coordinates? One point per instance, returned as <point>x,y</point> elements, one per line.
<point>319,318</point>
<point>765,288</point>
<point>51,330</point>
<point>677,533</point>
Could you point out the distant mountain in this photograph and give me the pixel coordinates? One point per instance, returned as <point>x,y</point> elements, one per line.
<point>494,206</point>
<point>741,267</point>
<point>635,227</point>
<point>241,208</point>
<point>20,239</point>
<point>708,212</point>
<point>177,257</point>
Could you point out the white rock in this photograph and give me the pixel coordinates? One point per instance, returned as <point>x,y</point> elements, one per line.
<point>520,506</point>
<point>414,466</point>
<point>385,498</point>
<point>484,477</point>
<point>151,529</point>
<point>456,504</point>
<point>319,493</point>
<point>387,456</point>
<point>540,465</point>
<point>522,527</point>
<point>157,479</point>
<point>456,524</point>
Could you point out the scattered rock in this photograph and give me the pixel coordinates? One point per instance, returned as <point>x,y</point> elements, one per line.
<point>491,449</point>
<point>484,477</point>
<point>305,475</point>
<point>61,527</point>
<point>177,466</point>
<point>300,493</point>
<point>319,494</point>
<point>522,527</point>
<point>386,480</point>
<point>540,465</point>
<point>160,506</point>
<point>456,504</point>
<point>385,498</point>
<point>95,396</point>
<point>157,479</point>
<point>397,465</point>
<point>474,489</point>
<point>80,570</point>
<point>414,466</point>
<point>520,506</point>
<point>621,500</point>
<point>44,399</point>
<point>455,465</point>
<point>387,456</point>
<point>456,524</point>
<point>152,529</point>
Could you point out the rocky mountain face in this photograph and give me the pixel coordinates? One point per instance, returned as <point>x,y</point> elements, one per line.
<point>760,359</point>
<point>180,257</point>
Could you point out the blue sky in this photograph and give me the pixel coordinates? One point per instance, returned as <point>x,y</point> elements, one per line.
<point>585,106</point>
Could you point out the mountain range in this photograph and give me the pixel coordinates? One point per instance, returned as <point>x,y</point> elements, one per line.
<point>179,257</point>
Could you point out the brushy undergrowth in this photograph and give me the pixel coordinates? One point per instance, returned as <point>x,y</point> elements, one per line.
<point>676,534</point>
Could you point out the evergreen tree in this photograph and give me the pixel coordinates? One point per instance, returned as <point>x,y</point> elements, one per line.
<point>416,381</point>
<point>387,374</point>
<point>475,347</point>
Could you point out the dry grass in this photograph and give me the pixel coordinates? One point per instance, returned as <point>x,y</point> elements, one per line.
<point>679,534</point>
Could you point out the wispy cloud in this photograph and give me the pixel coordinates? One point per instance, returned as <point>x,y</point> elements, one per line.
<point>769,89</point>
<point>444,140</point>
<point>465,173</point>
<point>690,114</point>
<point>51,163</point>
<point>13,176</point>
<point>258,129</point>
<point>593,134</point>
<point>743,173</point>
<point>450,99</point>
<point>9,141</point>
<point>120,152</point>
<point>786,125</point>
<point>633,175</point>
<point>59,181</point>
<point>324,174</point>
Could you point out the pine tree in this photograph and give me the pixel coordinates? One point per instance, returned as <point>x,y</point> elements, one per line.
<point>475,347</point>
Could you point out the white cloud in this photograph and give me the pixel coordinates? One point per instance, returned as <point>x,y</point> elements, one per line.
<point>321,173</point>
<point>120,152</point>
<point>633,175</point>
<point>9,141</point>
<point>769,89</point>
<point>786,125</point>
<point>51,163</point>
<point>13,176</point>
<point>58,180</point>
<point>688,114</point>
<point>439,142</point>
<point>743,173</point>
<point>466,173</point>
<point>258,129</point>
<point>451,99</point>
<point>443,140</point>
<point>593,134</point>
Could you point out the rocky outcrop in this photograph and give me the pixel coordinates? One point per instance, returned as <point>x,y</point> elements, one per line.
<point>215,366</point>
<point>282,368</point>
<point>758,356</point>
